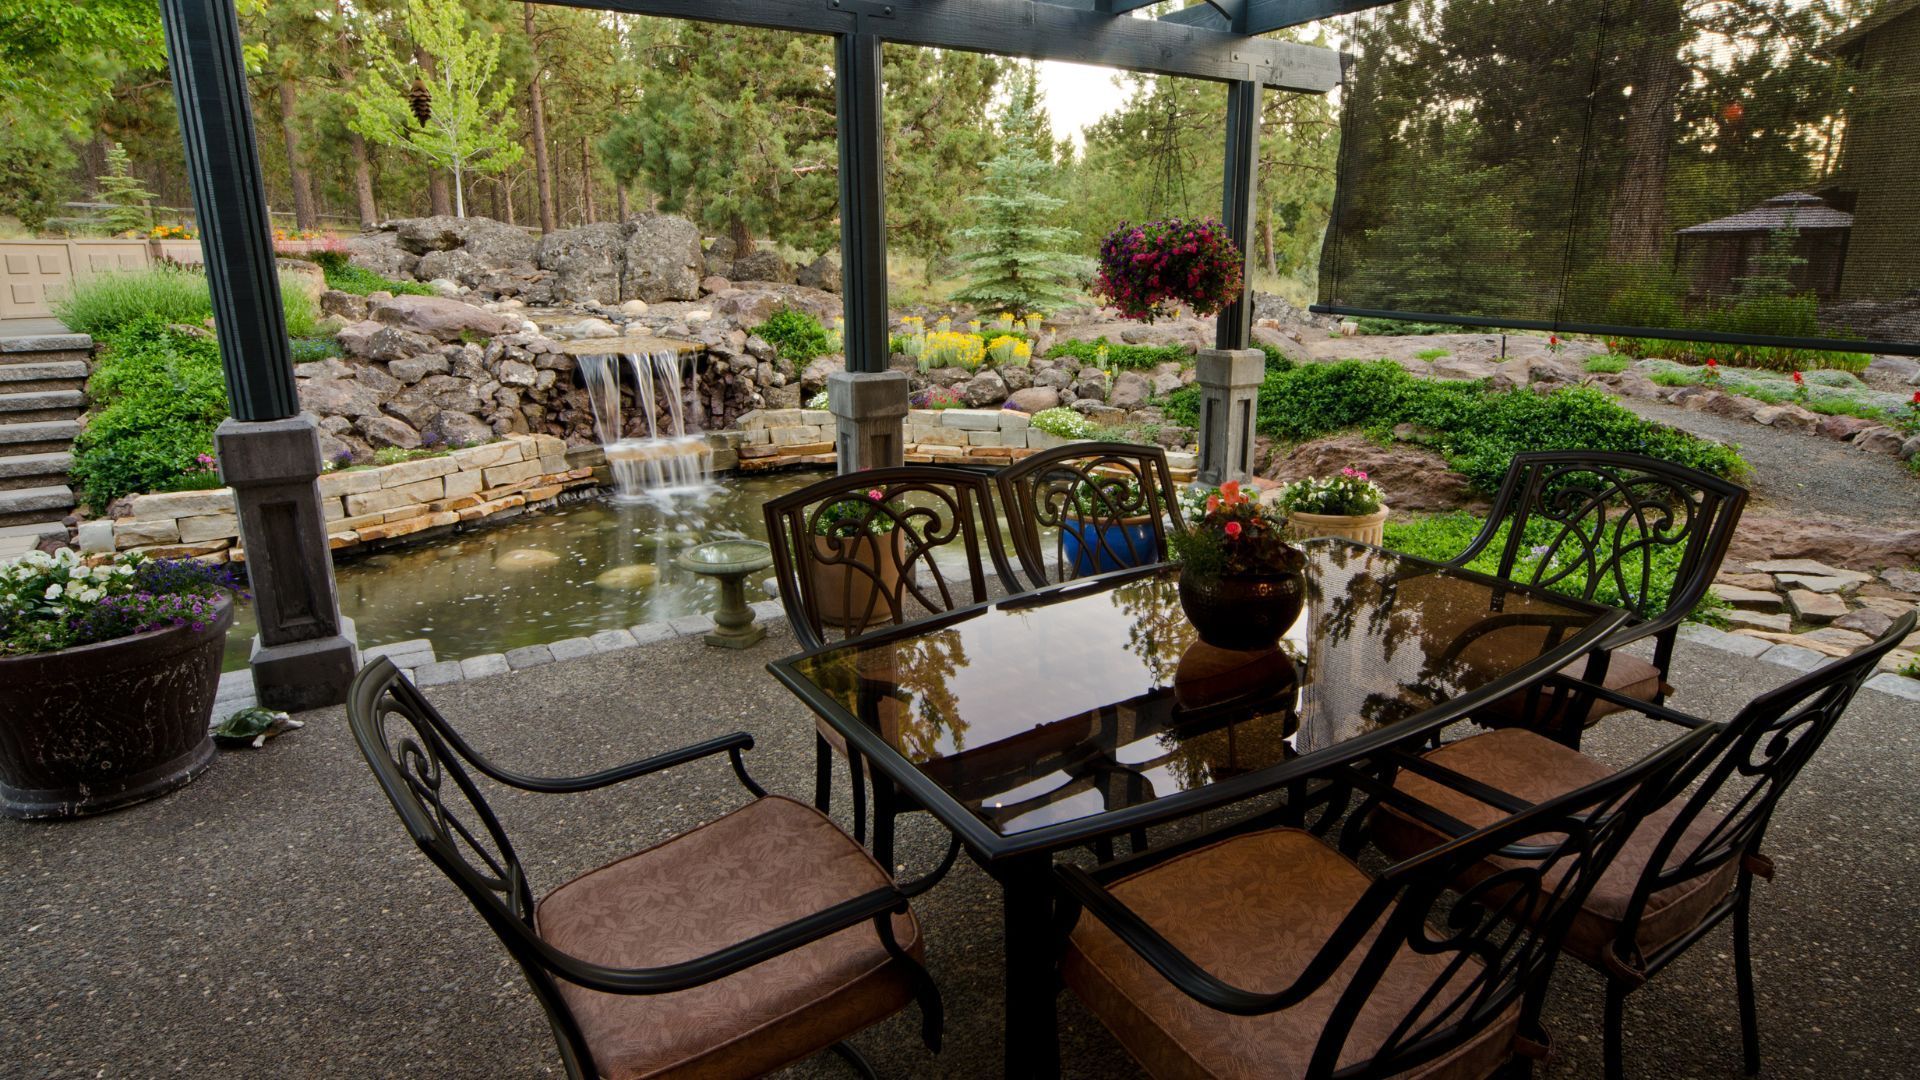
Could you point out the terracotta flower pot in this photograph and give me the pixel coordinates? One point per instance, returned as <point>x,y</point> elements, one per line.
<point>97,727</point>
<point>1242,611</point>
<point>1364,528</point>
<point>846,570</point>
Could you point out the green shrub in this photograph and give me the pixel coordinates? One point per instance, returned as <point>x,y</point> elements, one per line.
<point>103,304</point>
<point>1064,423</point>
<point>1121,357</point>
<point>1481,429</point>
<point>1607,365</point>
<point>158,395</point>
<point>1442,537</point>
<point>1430,355</point>
<point>1400,328</point>
<point>795,335</point>
<point>359,281</point>
<point>1276,360</point>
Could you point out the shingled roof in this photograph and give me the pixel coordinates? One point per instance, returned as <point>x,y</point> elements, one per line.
<point>1796,210</point>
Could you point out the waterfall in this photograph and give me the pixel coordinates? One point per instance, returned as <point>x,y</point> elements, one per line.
<point>665,462</point>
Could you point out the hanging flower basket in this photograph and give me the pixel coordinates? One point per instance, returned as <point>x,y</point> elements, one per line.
<point>1146,271</point>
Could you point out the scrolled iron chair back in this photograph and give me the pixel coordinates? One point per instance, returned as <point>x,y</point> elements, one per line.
<point>416,757</point>
<point>1610,518</point>
<point>1113,498</point>
<point>1510,922</point>
<point>857,552</point>
<point>1753,760</point>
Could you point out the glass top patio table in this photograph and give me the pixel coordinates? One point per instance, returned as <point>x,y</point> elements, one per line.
<point>1039,721</point>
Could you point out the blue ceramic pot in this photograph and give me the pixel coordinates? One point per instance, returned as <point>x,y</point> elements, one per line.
<point>1095,548</point>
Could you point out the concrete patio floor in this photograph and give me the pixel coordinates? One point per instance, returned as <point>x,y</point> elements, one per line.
<point>271,919</point>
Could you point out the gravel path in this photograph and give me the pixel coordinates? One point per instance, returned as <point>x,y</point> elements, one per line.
<point>1805,475</point>
<point>272,920</point>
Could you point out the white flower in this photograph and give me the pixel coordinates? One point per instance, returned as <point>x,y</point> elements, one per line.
<point>123,570</point>
<point>78,573</point>
<point>53,592</point>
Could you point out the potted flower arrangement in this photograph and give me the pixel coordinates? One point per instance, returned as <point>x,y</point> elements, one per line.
<point>107,679</point>
<point>1151,270</point>
<point>1240,581</point>
<point>1348,506</point>
<point>859,557</point>
<point>1104,525</point>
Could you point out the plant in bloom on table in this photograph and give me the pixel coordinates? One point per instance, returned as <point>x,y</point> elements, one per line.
<point>1147,271</point>
<point>107,678</point>
<point>1240,581</point>
<point>1349,506</point>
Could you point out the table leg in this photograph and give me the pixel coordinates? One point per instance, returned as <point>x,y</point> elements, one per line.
<point>1032,1031</point>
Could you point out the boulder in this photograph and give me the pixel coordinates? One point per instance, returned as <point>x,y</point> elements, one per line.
<point>1904,580</point>
<point>440,317</point>
<point>413,407</point>
<point>813,378</point>
<point>1016,376</point>
<point>585,262</point>
<point>1880,440</point>
<point>381,253</point>
<point>718,258</point>
<point>376,379</point>
<point>441,232</point>
<point>344,306</point>
<point>662,259</point>
<point>1842,428</point>
<point>1413,477</point>
<point>390,343</point>
<point>338,397</point>
<point>1056,378</point>
<point>1093,384</point>
<point>633,309</point>
<point>331,368</point>
<point>1787,417</point>
<point>714,283</point>
<point>822,273</point>
<point>382,431</point>
<point>458,429</point>
<point>986,388</point>
<point>1130,390</point>
<point>354,337</point>
<point>1910,449</point>
<point>1034,399</point>
<point>1841,543</point>
<point>412,369</point>
<point>764,264</point>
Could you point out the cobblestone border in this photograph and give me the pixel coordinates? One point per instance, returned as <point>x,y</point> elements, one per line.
<point>1792,656</point>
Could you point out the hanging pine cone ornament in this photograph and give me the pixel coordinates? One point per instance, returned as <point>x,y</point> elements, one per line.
<point>422,101</point>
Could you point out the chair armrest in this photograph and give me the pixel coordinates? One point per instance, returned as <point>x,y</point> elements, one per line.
<point>877,904</point>
<point>732,745</point>
<point>1627,701</point>
<point>1175,966</point>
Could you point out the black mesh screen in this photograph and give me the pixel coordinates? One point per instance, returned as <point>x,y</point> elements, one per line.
<point>1721,170</point>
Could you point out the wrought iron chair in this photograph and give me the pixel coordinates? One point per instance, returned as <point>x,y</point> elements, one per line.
<point>857,552</point>
<point>752,942</point>
<point>1398,974</point>
<point>1689,866</point>
<point>1108,502</point>
<point>1613,518</point>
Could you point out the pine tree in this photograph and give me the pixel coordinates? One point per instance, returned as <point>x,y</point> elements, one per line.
<point>466,129</point>
<point>1015,261</point>
<point>130,205</point>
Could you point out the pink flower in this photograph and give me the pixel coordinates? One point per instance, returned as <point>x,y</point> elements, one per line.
<point>1233,530</point>
<point>874,494</point>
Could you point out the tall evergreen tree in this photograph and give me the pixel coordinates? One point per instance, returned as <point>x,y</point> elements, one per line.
<point>939,128</point>
<point>1014,259</point>
<point>129,205</point>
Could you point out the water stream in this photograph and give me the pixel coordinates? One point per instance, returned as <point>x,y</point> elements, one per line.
<point>663,464</point>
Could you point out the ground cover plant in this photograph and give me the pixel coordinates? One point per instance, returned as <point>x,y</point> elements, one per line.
<point>1442,537</point>
<point>1832,393</point>
<point>158,394</point>
<point>1119,357</point>
<point>359,281</point>
<point>796,336</point>
<point>102,304</point>
<point>1480,429</point>
<point>1745,356</point>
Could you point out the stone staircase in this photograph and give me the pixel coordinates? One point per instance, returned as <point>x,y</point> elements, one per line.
<point>42,381</point>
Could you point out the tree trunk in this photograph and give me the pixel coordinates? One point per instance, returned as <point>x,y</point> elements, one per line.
<point>459,191</point>
<point>506,196</point>
<point>537,121</point>
<point>586,181</point>
<point>304,215</point>
<point>362,181</point>
<point>742,238</point>
<point>620,201</point>
<point>1267,254</point>
<point>1638,232</point>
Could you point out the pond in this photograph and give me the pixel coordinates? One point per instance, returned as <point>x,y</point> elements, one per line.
<point>588,566</point>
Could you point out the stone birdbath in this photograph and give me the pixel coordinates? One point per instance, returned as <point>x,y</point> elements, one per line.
<point>729,562</point>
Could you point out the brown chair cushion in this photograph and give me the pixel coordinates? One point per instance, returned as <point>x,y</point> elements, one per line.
<point>1535,768</point>
<point>766,864</point>
<point>1254,910</point>
<point>1626,674</point>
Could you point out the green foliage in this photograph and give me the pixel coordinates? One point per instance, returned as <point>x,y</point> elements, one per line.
<point>1121,357</point>
<point>1276,360</point>
<point>36,165</point>
<point>1403,328</point>
<point>1062,422</point>
<point>394,455</point>
<point>795,335</point>
<point>158,395</point>
<point>129,206</point>
<point>59,58</point>
<point>1763,357</point>
<point>1430,355</point>
<point>308,349</point>
<point>1607,365</point>
<point>1481,429</point>
<point>359,281</point>
<point>1442,537</point>
<point>103,304</point>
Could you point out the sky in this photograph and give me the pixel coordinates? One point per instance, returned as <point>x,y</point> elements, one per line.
<point>1077,95</point>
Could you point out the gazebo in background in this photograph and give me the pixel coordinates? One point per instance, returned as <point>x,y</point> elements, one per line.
<point>1717,254</point>
<point>269,450</point>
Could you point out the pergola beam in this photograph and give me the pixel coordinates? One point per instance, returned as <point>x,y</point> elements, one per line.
<point>1264,16</point>
<point>1028,29</point>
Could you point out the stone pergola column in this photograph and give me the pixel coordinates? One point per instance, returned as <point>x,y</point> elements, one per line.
<point>868,401</point>
<point>269,452</point>
<point>1229,393</point>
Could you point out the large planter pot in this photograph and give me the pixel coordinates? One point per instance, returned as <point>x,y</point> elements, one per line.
<point>101,726</point>
<point>1364,528</point>
<point>1096,547</point>
<point>844,588</point>
<point>1242,611</point>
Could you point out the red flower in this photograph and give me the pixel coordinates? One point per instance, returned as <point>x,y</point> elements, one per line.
<point>1233,530</point>
<point>1798,379</point>
<point>1916,399</point>
<point>1711,362</point>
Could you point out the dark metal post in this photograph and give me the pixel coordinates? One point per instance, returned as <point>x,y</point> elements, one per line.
<point>869,402</point>
<point>1233,327</point>
<point>269,453</point>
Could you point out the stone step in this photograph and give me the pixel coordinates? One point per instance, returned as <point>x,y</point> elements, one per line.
<point>68,375</point>
<point>39,436</point>
<point>22,506</point>
<point>36,406</point>
<point>34,470</point>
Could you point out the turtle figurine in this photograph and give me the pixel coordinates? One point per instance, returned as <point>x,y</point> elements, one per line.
<point>253,726</point>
